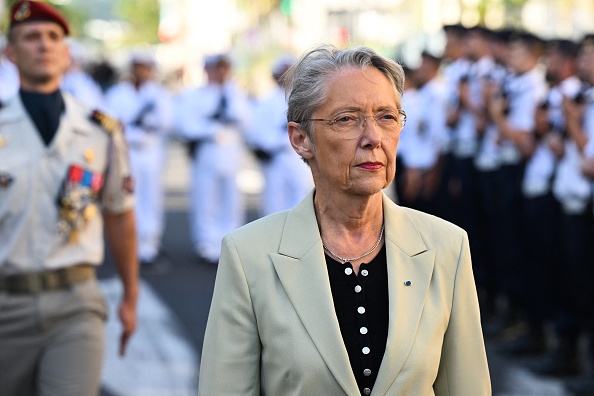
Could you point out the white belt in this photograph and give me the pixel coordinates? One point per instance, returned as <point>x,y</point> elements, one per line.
<point>485,163</point>
<point>574,205</point>
<point>534,189</point>
<point>510,155</point>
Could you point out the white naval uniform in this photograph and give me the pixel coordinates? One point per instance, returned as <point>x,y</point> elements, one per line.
<point>150,106</point>
<point>82,86</point>
<point>465,135</point>
<point>288,179</point>
<point>453,73</point>
<point>410,142</point>
<point>571,187</point>
<point>541,166</point>
<point>9,79</point>
<point>524,93</point>
<point>216,201</point>
<point>488,157</point>
<point>429,137</point>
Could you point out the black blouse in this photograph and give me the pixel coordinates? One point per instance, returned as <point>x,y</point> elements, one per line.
<point>361,305</point>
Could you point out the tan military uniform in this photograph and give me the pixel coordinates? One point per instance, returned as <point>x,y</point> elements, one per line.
<point>52,331</point>
<point>29,212</point>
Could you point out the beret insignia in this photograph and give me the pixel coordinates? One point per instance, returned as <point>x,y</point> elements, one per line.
<point>23,12</point>
<point>107,122</point>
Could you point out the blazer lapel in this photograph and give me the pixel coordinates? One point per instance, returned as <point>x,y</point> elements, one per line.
<point>408,260</point>
<point>302,271</point>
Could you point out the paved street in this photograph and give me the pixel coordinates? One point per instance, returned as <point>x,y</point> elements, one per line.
<point>163,357</point>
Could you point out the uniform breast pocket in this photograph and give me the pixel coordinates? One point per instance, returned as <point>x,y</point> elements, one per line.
<point>15,183</point>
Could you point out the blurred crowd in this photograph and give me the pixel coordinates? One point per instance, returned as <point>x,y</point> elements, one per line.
<point>499,140</point>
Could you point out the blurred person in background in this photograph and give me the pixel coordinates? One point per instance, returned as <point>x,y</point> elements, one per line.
<point>512,110</point>
<point>104,74</point>
<point>346,293</point>
<point>410,141</point>
<point>78,82</point>
<point>143,106</point>
<point>541,250</point>
<point>455,69</point>
<point>287,179</point>
<point>573,190</point>
<point>63,177</point>
<point>470,116</point>
<point>213,120</point>
<point>424,157</point>
<point>487,164</point>
<point>9,74</point>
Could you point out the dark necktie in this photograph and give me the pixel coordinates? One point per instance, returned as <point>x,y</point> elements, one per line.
<point>220,113</point>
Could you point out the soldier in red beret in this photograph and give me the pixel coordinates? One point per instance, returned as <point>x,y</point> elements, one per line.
<point>64,180</point>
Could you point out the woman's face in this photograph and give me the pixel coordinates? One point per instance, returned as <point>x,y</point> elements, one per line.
<point>366,164</point>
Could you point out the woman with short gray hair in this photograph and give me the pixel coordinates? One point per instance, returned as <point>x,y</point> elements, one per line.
<point>347,293</point>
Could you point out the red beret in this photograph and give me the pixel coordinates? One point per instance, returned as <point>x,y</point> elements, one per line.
<point>30,11</point>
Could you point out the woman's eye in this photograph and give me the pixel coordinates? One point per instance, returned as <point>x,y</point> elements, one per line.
<point>345,119</point>
<point>388,117</point>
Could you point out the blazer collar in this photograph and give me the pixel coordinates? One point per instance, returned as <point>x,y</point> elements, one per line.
<point>301,268</point>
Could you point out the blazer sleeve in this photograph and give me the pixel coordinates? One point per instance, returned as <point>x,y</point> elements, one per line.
<point>463,369</point>
<point>230,362</point>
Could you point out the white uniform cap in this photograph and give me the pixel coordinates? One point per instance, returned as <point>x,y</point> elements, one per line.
<point>281,64</point>
<point>216,59</point>
<point>143,59</point>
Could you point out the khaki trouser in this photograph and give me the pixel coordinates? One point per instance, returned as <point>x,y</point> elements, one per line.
<point>52,343</point>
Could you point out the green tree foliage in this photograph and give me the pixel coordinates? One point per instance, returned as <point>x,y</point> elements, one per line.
<point>142,17</point>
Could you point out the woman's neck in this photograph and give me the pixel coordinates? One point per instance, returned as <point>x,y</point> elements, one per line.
<point>350,225</point>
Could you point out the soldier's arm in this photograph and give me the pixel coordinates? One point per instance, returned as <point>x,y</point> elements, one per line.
<point>120,229</point>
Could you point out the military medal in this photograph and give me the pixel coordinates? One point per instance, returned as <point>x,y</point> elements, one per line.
<point>90,212</point>
<point>78,199</point>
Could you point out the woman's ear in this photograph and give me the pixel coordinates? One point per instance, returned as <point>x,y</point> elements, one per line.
<point>300,141</point>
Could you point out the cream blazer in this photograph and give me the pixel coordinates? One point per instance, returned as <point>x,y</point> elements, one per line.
<point>272,328</point>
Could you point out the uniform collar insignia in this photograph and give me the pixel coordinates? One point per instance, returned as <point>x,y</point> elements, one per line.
<point>107,122</point>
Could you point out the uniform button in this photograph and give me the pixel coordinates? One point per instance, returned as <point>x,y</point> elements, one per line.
<point>367,372</point>
<point>364,272</point>
<point>348,270</point>
<point>361,310</point>
<point>358,289</point>
<point>365,350</point>
<point>366,391</point>
<point>363,330</point>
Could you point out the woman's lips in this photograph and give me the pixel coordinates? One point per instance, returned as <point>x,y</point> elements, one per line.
<point>371,165</point>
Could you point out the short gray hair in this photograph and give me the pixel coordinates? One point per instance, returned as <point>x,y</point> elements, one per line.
<point>306,84</point>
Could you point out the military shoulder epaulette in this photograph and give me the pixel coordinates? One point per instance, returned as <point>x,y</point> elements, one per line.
<point>107,122</point>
